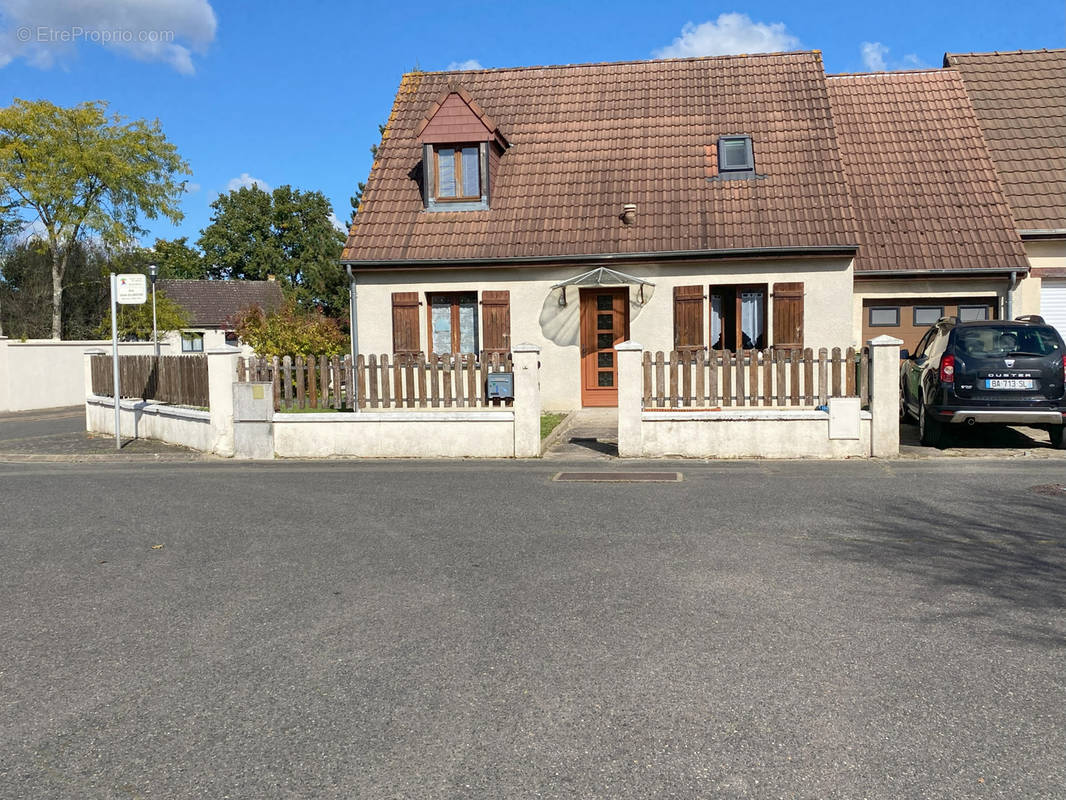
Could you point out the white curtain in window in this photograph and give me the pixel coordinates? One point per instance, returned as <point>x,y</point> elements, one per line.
<point>752,318</point>
<point>467,325</point>
<point>716,320</point>
<point>471,173</point>
<point>441,315</point>
<point>446,173</point>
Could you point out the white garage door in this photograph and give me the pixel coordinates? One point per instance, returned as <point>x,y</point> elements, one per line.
<point>1053,302</point>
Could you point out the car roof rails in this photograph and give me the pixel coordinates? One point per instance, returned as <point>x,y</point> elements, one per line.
<point>1034,318</point>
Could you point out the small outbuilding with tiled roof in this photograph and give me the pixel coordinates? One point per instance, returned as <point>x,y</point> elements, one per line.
<point>212,307</point>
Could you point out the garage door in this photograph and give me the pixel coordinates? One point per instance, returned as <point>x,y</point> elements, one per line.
<point>908,318</point>
<point>1053,302</point>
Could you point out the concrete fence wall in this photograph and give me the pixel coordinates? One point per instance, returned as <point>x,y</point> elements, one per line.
<point>844,430</point>
<point>45,373</point>
<point>242,422</point>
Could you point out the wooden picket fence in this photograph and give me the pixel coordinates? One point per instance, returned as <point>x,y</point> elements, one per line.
<point>755,378</point>
<point>180,380</point>
<point>377,381</point>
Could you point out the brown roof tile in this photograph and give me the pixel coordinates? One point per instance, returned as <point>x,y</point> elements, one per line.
<point>923,185</point>
<point>1020,100</point>
<point>586,139</point>
<point>213,304</point>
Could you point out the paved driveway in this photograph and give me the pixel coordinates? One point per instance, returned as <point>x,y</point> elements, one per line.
<point>476,630</point>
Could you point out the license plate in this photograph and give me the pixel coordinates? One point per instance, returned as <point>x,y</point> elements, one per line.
<point>1008,383</point>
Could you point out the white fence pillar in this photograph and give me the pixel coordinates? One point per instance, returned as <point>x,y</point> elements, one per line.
<point>221,374</point>
<point>5,376</point>
<point>526,360</point>
<point>630,393</point>
<point>884,396</point>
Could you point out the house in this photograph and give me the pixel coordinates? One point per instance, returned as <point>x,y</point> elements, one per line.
<point>936,231</point>
<point>212,307</point>
<point>679,203</point>
<point>1020,101</point>
<point>726,202</point>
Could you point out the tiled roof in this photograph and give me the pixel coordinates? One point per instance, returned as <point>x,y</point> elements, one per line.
<point>213,304</point>
<point>586,140</point>
<point>922,182</point>
<point>1020,100</point>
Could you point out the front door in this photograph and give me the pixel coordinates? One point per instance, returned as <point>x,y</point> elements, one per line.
<point>604,323</point>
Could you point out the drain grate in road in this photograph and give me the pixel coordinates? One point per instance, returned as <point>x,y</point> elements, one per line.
<point>619,477</point>
<point>1052,489</point>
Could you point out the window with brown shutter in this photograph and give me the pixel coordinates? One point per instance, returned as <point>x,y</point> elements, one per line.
<point>788,315</point>
<point>496,321</point>
<point>688,318</point>
<point>405,334</point>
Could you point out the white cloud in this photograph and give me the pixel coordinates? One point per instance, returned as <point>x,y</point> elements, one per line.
<point>873,56</point>
<point>336,223</point>
<point>245,181</point>
<point>875,59</point>
<point>729,34</point>
<point>192,188</point>
<point>470,63</point>
<point>45,31</point>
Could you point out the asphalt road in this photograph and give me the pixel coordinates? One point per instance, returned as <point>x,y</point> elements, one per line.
<point>475,630</point>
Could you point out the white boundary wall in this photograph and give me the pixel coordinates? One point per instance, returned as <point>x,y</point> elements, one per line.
<point>45,373</point>
<point>145,419</point>
<point>844,431</point>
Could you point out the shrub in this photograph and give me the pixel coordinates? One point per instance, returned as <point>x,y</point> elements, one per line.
<point>290,331</point>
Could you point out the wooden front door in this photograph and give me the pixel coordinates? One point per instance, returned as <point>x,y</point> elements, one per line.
<point>604,323</point>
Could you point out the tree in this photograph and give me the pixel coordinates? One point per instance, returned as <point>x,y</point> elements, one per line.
<point>290,331</point>
<point>80,170</point>
<point>176,259</point>
<point>135,321</point>
<point>287,233</point>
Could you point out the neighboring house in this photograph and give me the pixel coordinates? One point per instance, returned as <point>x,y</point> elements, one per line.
<point>1020,102</point>
<point>679,203</point>
<point>937,236</point>
<point>212,307</point>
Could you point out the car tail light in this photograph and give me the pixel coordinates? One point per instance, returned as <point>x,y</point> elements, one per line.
<point>947,368</point>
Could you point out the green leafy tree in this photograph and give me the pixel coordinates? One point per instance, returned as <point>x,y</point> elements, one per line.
<point>287,233</point>
<point>290,331</point>
<point>135,321</point>
<point>176,259</point>
<point>80,170</point>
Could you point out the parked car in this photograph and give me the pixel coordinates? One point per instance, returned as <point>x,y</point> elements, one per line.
<point>987,372</point>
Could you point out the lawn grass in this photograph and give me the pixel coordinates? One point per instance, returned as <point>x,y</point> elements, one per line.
<point>548,423</point>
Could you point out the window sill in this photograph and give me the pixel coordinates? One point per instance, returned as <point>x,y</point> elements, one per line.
<point>460,205</point>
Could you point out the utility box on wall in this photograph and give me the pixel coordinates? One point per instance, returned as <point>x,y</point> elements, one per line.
<point>499,386</point>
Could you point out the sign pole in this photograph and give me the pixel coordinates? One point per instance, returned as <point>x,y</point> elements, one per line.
<point>114,361</point>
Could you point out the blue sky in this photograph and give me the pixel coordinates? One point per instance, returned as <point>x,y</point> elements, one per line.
<point>293,92</point>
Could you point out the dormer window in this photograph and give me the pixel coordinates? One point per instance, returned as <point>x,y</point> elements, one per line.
<point>735,155</point>
<point>461,148</point>
<point>458,173</point>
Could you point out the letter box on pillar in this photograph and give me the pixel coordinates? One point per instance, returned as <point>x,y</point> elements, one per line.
<point>499,386</point>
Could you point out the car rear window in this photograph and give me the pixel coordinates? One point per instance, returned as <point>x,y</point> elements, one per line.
<point>1000,340</point>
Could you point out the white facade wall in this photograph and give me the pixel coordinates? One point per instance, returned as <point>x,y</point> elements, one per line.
<point>537,317</point>
<point>45,373</point>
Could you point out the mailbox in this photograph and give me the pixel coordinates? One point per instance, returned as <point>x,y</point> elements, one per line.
<point>500,386</point>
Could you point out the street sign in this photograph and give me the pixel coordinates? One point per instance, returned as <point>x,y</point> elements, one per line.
<point>132,289</point>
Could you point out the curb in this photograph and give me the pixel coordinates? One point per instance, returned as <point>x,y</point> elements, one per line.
<point>102,458</point>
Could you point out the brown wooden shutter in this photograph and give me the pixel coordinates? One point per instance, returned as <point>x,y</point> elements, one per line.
<point>688,318</point>
<point>788,315</point>
<point>405,334</point>
<point>496,321</point>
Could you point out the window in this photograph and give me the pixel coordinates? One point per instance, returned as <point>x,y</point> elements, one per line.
<point>452,322</point>
<point>735,154</point>
<point>927,315</point>
<point>973,313</point>
<point>192,343</point>
<point>885,317</point>
<point>738,317</point>
<point>458,173</point>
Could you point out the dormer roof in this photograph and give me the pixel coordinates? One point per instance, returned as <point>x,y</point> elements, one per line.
<point>456,117</point>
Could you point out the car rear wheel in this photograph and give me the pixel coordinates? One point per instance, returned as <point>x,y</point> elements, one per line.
<point>1055,432</point>
<point>930,430</point>
<point>904,414</point>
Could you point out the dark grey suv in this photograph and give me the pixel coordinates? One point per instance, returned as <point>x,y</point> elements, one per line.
<point>968,373</point>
